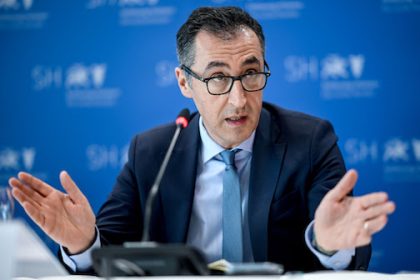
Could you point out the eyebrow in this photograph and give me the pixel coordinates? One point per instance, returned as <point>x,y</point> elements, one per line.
<point>251,60</point>
<point>248,61</point>
<point>216,63</point>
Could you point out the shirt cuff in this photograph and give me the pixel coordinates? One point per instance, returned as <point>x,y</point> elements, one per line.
<point>81,262</point>
<point>339,261</point>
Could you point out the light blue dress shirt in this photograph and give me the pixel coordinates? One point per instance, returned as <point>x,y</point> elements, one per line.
<point>205,231</point>
<point>206,220</point>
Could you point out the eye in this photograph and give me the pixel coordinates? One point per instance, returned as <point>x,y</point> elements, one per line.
<point>251,71</point>
<point>218,77</point>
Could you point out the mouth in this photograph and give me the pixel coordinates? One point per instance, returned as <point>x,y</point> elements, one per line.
<point>236,120</point>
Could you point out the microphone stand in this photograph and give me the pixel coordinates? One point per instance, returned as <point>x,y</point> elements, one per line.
<point>147,258</point>
<point>154,190</point>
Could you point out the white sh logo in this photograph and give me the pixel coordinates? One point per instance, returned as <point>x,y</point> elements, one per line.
<point>9,159</point>
<point>77,76</point>
<point>101,156</point>
<point>9,4</point>
<point>137,2</point>
<point>416,148</point>
<point>27,4</point>
<point>334,67</point>
<point>28,157</point>
<point>395,150</point>
<point>165,73</point>
<point>13,4</point>
<point>81,76</point>
<point>357,63</point>
<point>98,72</point>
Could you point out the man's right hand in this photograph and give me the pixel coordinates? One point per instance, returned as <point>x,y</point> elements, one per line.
<point>67,218</point>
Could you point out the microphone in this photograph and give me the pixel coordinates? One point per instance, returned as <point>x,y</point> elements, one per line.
<point>148,258</point>
<point>183,118</point>
<point>181,123</point>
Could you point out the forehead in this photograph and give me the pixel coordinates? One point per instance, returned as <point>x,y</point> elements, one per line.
<point>242,46</point>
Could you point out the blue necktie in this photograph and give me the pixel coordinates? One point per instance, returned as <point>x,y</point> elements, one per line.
<point>232,210</point>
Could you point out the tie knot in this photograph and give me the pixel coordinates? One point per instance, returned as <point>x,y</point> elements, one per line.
<point>228,156</point>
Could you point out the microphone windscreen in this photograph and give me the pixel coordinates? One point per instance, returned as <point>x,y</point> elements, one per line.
<point>183,118</point>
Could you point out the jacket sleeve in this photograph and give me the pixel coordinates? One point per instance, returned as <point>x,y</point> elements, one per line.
<point>120,217</point>
<point>327,168</point>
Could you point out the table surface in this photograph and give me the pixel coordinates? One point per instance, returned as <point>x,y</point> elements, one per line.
<point>329,275</point>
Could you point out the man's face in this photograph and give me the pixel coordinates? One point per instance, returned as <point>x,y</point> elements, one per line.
<point>231,118</point>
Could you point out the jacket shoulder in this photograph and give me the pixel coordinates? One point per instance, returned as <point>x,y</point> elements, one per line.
<point>293,124</point>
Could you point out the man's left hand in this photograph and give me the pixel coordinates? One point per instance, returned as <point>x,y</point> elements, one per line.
<point>343,222</point>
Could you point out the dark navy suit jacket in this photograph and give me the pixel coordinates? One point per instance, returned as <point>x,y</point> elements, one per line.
<point>295,162</point>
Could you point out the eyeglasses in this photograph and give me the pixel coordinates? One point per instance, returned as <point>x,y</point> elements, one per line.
<point>221,84</point>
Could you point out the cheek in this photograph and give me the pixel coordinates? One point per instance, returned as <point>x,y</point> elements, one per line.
<point>200,103</point>
<point>255,102</point>
<point>214,104</point>
<point>210,108</point>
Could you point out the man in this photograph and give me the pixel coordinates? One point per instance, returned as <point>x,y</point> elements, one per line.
<point>286,167</point>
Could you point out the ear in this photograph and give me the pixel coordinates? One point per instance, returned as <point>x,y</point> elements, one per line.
<point>183,83</point>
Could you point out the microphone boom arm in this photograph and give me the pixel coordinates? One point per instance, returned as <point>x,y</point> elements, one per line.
<point>154,190</point>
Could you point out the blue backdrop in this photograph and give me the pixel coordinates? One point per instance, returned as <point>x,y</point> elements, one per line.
<point>79,78</point>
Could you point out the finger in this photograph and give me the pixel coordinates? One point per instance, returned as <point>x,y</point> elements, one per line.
<point>373,199</point>
<point>15,183</point>
<point>43,188</point>
<point>346,184</point>
<point>71,188</point>
<point>30,194</point>
<point>34,214</point>
<point>372,226</point>
<point>23,199</point>
<point>379,210</point>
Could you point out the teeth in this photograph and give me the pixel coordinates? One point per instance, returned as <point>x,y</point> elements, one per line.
<point>235,118</point>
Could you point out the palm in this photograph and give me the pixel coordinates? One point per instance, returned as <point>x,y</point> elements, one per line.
<point>63,220</point>
<point>342,222</point>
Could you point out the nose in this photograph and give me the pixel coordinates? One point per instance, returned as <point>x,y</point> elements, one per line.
<point>237,95</point>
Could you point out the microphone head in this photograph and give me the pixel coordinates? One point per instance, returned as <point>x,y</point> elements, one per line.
<point>183,118</point>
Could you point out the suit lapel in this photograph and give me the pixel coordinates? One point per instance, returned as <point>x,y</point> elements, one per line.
<point>178,183</point>
<point>267,158</point>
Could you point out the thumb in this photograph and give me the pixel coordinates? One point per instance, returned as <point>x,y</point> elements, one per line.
<point>70,186</point>
<point>346,184</point>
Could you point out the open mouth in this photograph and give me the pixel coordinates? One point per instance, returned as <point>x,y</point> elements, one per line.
<point>236,120</point>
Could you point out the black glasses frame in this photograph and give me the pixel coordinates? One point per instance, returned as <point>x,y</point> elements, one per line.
<point>234,78</point>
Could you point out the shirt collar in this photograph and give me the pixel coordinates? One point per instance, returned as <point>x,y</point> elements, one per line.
<point>210,149</point>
